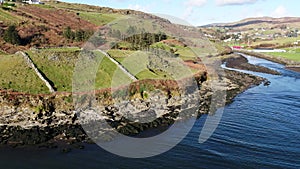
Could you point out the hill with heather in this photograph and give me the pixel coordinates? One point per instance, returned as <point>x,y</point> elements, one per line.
<point>43,25</point>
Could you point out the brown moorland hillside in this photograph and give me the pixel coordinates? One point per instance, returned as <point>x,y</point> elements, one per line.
<point>43,25</point>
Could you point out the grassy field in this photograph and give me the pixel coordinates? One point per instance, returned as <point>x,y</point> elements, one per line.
<point>185,53</point>
<point>280,41</point>
<point>92,14</point>
<point>120,55</point>
<point>144,65</point>
<point>58,66</point>
<point>287,55</point>
<point>15,74</point>
<point>292,50</point>
<point>189,53</point>
<point>45,6</point>
<point>123,23</point>
<point>98,18</point>
<point>290,54</point>
<point>270,32</point>
<point>8,18</point>
<point>109,75</point>
<point>135,62</point>
<point>72,6</point>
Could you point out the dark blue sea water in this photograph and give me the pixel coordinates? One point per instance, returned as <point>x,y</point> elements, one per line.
<point>260,129</point>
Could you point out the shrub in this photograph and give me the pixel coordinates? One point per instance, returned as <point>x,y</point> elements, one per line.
<point>11,35</point>
<point>68,33</point>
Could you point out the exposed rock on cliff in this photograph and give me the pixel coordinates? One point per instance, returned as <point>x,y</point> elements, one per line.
<point>35,119</point>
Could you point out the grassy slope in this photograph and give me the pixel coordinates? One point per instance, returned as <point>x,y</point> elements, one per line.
<point>189,53</point>
<point>135,62</point>
<point>86,12</point>
<point>184,52</point>
<point>120,55</point>
<point>58,65</point>
<point>138,63</point>
<point>109,75</point>
<point>17,75</point>
<point>72,6</point>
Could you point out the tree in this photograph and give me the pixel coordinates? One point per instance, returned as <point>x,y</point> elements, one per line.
<point>78,35</point>
<point>11,35</point>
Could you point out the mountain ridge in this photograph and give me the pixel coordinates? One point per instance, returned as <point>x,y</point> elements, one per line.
<point>270,21</point>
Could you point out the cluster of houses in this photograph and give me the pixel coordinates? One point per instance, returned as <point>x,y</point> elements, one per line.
<point>32,1</point>
<point>261,34</point>
<point>297,42</point>
<point>259,50</point>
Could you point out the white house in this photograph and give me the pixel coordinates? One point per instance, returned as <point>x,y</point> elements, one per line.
<point>228,40</point>
<point>33,2</point>
<point>268,50</point>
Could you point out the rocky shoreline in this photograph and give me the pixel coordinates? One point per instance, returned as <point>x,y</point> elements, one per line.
<point>295,68</point>
<point>237,61</point>
<point>289,64</point>
<point>49,120</point>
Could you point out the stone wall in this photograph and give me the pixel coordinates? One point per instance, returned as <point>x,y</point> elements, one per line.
<point>38,73</point>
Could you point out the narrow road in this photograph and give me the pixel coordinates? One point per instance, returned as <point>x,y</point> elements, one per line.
<point>119,65</point>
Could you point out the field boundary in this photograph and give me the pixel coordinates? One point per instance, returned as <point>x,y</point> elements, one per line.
<point>38,73</point>
<point>119,65</point>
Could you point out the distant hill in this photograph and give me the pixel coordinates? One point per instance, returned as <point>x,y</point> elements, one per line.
<point>268,22</point>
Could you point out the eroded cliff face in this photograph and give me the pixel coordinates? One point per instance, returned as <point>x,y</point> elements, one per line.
<point>36,119</point>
